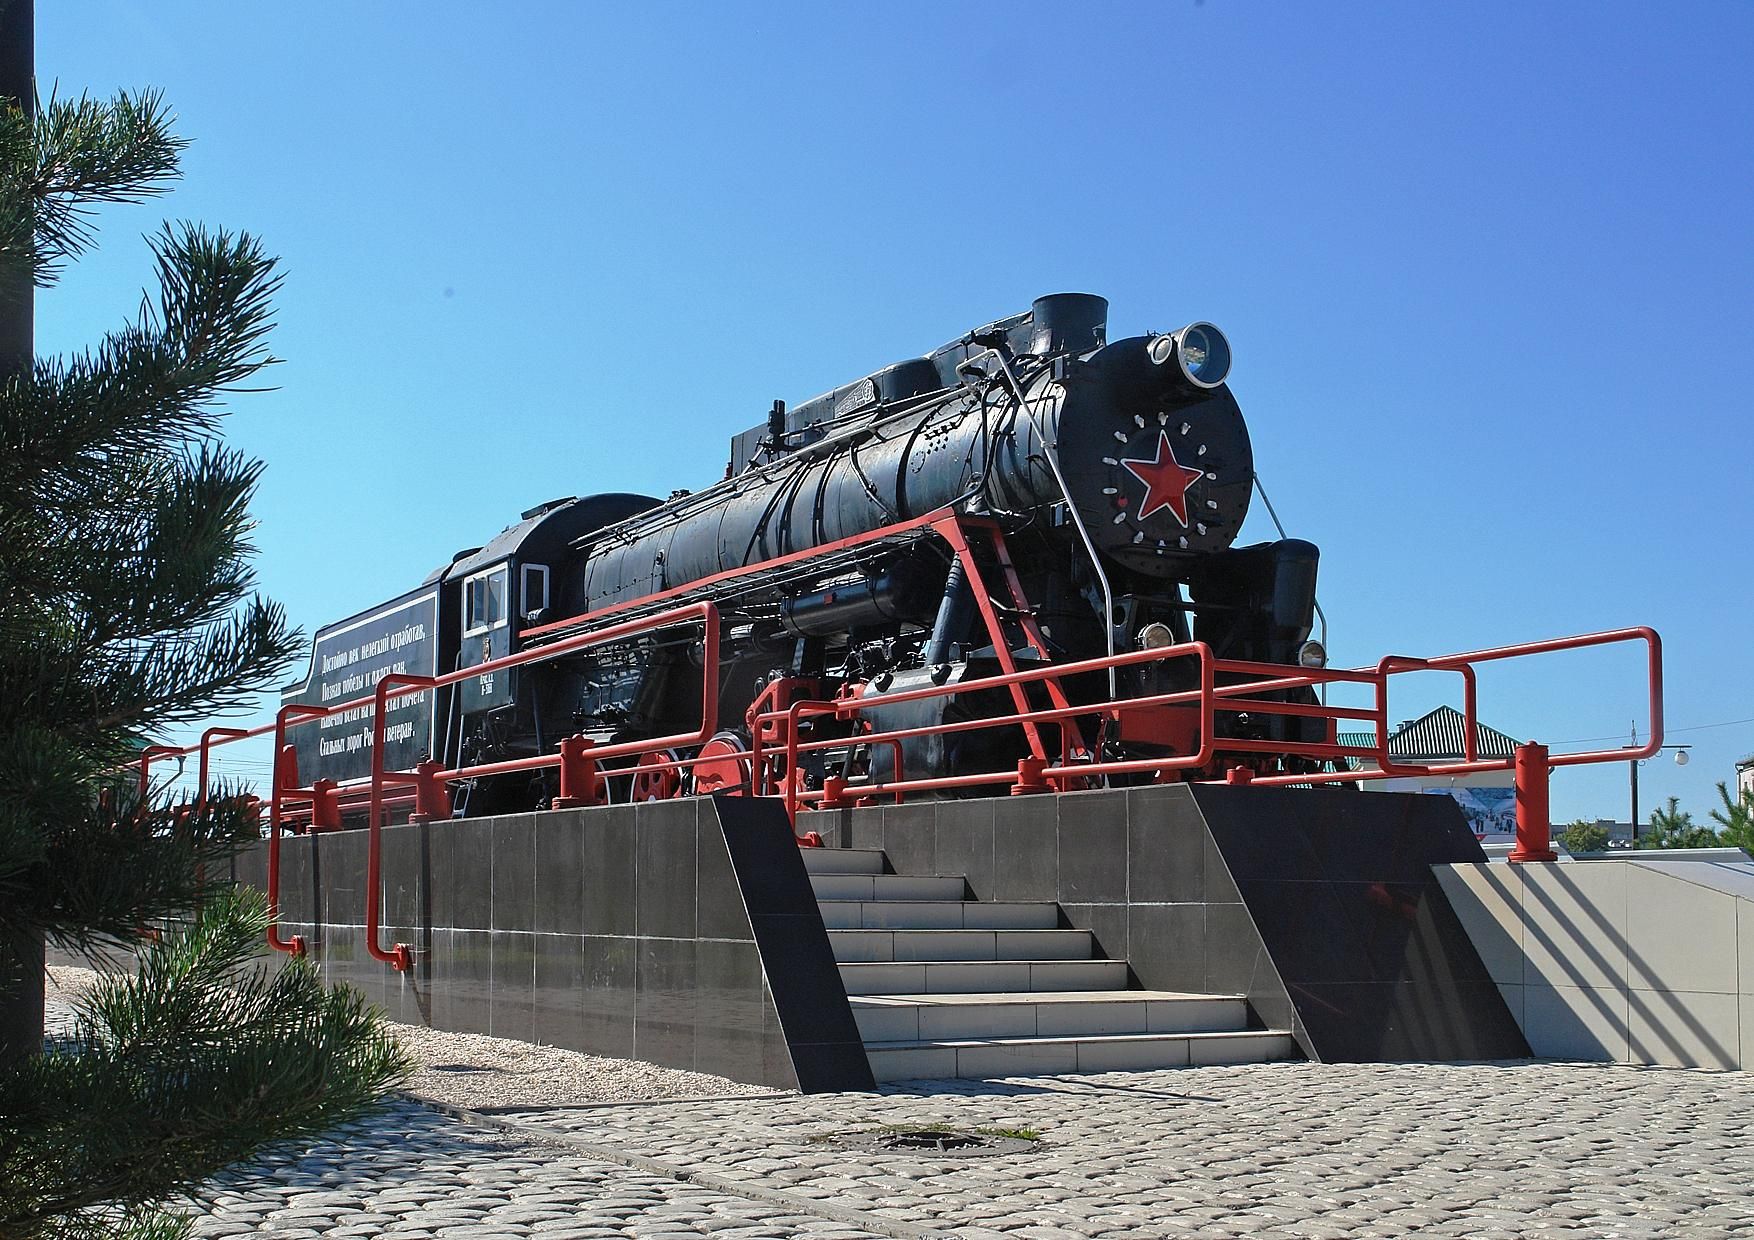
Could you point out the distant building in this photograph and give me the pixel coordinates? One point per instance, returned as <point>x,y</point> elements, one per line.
<point>1488,798</point>
<point>1745,776</point>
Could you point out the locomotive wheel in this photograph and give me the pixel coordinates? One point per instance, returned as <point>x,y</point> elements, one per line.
<point>723,766</point>
<point>653,781</point>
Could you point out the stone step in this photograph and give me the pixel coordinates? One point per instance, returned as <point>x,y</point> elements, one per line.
<point>843,860</point>
<point>886,887</point>
<point>989,1057</point>
<point>937,915</point>
<point>980,976</point>
<point>937,945</point>
<point>1043,1014</point>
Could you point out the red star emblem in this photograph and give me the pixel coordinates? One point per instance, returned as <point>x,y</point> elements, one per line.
<point>1166,481</point>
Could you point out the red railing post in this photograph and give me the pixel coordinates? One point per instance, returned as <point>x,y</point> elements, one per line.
<point>147,756</point>
<point>1534,840</point>
<point>400,956</point>
<point>325,805</point>
<point>580,784</point>
<point>1239,775</point>
<point>285,776</point>
<point>1031,777</point>
<point>431,801</point>
<point>207,739</point>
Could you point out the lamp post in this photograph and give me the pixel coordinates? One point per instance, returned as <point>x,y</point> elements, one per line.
<point>1632,768</point>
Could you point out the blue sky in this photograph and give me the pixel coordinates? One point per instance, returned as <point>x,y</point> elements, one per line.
<point>1485,268</point>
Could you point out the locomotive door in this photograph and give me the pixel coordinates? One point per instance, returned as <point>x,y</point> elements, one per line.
<point>487,635</point>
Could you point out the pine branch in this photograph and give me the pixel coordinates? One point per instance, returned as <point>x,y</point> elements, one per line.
<point>77,155</point>
<point>149,388</point>
<point>190,1065</point>
<point>93,879</point>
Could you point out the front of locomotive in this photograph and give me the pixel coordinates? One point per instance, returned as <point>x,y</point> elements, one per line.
<point>1150,451</point>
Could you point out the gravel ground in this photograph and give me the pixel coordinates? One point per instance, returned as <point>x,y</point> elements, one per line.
<point>478,1072</point>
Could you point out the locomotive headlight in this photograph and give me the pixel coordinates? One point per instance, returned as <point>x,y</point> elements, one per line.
<point>1312,654</point>
<point>1155,636</point>
<point>1199,351</point>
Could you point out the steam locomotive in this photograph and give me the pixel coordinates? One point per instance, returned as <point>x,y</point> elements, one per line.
<point>1029,494</point>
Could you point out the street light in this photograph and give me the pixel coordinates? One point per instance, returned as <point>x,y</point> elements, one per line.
<point>1634,764</point>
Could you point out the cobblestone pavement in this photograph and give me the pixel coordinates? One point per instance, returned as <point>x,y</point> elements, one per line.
<point>1267,1150</point>
<point>410,1171</point>
<point>1297,1149</point>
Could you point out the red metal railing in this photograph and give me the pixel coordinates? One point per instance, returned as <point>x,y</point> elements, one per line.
<point>1530,763</point>
<point>779,741</point>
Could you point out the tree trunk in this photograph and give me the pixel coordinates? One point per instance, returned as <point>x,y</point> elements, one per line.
<point>21,962</point>
<point>21,997</point>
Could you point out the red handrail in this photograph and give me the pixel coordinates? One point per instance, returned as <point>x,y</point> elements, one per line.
<point>579,760</point>
<point>1529,763</point>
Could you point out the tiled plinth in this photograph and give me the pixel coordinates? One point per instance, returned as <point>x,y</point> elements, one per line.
<point>682,933</point>
<point>1636,959</point>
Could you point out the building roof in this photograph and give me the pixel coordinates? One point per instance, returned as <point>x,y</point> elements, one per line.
<point>1438,734</point>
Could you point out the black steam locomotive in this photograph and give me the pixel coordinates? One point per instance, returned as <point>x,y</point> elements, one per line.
<point>1029,493</point>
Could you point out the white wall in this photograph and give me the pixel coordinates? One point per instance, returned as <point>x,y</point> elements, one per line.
<point>1637,961</point>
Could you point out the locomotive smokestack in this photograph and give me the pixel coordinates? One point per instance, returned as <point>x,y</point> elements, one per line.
<point>1068,321</point>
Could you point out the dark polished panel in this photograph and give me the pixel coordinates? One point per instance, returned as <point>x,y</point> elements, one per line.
<point>560,873</point>
<point>664,865</point>
<point>1352,923</point>
<point>1026,848</point>
<point>1166,946</point>
<point>964,844</point>
<point>468,899</point>
<point>1166,847</point>
<point>666,1008</point>
<point>1364,1022</point>
<point>1093,847</point>
<point>609,864</point>
<point>557,999</point>
<point>514,980</point>
<point>805,1001</point>
<point>731,1010</point>
<point>514,872</point>
<point>908,837</point>
<point>606,1004</point>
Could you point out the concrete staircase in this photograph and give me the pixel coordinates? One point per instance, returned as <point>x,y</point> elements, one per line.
<point>945,986</point>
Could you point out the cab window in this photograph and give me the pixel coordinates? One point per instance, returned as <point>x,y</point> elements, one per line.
<point>484,600</point>
<point>533,588</point>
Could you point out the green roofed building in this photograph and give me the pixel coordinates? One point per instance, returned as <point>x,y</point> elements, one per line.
<point>1439,736</point>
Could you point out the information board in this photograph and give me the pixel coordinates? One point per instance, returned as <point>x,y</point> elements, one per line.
<point>347,662</point>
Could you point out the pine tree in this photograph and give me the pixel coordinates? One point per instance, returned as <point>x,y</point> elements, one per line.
<point>1735,819</point>
<point>126,607</point>
<point>1673,827</point>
